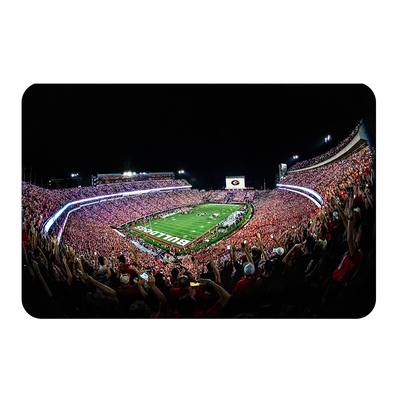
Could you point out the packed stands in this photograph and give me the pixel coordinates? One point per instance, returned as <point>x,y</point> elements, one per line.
<point>83,223</point>
<point>43,203</point>
<point>325,156</point>
<point>292,259</point>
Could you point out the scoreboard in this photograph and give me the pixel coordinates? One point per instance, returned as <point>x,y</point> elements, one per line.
<point>235,182</point>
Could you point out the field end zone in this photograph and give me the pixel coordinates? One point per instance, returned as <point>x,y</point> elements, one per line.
<point>155,235</point>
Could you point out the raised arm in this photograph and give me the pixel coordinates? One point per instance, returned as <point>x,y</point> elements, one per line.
<point>278,241</point>
<point>247,252</point>
<point>343,216</point>
<point>215,270</point>
<point>43,257</point>
<point>109,292</point>
<point>224,295</point>
<point>219,256</point>
<point>350,228</point>
<point>159,294</point>
<point>163,305</point>
<point>40,277</point>
<point>368,201</point>
<point>133,251</point>
<point>57,251</point>
<point>261,246</point>
<point>288,257</point>
<point>69,275</point>
<point>233,254</point>
<point>141,282</point>
<point>196,266</point>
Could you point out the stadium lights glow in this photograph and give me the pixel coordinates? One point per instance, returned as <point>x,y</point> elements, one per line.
<point>328,138</point>
<point>181,171</point>
<point>305,195</point>
<point>72,175</point>
<point>295,157</point>
<point>55,216</point>
<point>313,192</point>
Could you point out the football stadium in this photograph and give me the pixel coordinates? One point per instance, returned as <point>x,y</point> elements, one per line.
<point>152,245</point>
<point>180,229</point>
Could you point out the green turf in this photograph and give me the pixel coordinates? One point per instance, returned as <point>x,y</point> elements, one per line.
<point>189,226</point>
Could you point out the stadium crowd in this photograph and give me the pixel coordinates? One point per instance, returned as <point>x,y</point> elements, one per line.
<point>292,259</point>
<point>326,156</point>
<point>45,202</point>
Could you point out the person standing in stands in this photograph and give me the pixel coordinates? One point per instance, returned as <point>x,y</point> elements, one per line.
<point>187,306</point>
<point>245,286</point>
<point>351,260</point>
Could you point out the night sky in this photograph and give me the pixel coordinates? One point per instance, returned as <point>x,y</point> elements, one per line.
<point>210,131</point>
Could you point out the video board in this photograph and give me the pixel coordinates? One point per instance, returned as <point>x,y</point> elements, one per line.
<point>235,182</point>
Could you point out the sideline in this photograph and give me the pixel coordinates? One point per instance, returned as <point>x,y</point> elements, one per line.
<point>137,244</point>
<point>140,246</point>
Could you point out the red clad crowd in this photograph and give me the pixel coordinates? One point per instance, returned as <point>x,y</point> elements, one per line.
<point>292,259</point>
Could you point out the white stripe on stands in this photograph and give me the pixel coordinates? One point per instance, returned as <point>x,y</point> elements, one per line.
<point>303,194</point>
<point>312,192</point>
<point>55,216</point>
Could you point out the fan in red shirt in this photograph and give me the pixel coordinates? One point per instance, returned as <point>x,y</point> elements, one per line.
<point>181,289</point>
<point>130,269</point>
<point>347,266</point>
<point>187,305</point>
<point>127,294</point>
<point>246,285</point>
<point>182,284</point>
<point>351,260</point>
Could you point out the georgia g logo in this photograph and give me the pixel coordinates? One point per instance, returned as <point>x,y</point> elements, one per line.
<point>235,182</point>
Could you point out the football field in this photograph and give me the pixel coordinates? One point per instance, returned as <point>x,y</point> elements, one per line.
<point>179,230</point>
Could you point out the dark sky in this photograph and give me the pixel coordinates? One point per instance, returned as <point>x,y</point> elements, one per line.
<point>210,131</point>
